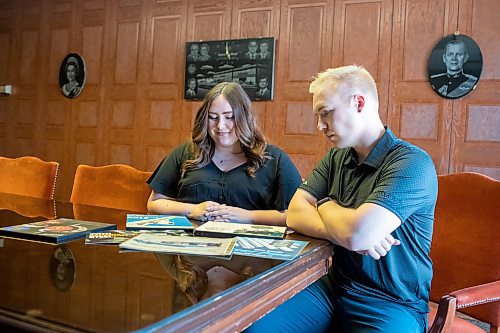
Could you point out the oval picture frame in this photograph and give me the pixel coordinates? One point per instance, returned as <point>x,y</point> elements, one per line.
<point>62,268</point>
<point>455,65</point>
<point>72,75</point>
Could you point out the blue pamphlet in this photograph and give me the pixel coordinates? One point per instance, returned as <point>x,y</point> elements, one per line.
<point>281,249</point>
<point>157,222</point>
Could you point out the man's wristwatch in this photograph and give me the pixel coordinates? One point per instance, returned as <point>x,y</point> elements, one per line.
<point>322,201</point>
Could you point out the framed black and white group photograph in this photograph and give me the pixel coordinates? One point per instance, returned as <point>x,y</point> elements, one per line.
<point>455,65</point>
<point>72,75</point>
<point>250,62</point>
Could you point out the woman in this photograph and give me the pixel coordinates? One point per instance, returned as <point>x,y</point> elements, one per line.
<point>204,52</point>
<point>72,88</point>
<point>227,172</point>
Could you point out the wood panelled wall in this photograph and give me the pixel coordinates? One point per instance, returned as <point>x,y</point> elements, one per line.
<point>132,111</point>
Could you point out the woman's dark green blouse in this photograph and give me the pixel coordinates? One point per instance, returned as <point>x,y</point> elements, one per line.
<point>272,188</point>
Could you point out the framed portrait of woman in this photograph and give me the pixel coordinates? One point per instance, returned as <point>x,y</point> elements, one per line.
<point>72,75</point>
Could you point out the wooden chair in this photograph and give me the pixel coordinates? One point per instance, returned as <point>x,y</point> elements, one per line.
<point>466,253</point>
<point>114,186</point>
<point>28,176</point>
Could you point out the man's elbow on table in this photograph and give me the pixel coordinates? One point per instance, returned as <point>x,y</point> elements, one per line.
<point>300,204</point>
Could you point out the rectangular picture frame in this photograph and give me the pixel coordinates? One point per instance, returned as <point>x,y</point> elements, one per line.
<point>249,62</point>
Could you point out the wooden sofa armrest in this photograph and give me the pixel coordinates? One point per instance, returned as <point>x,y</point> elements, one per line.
<point>467,297</point>
<point>484,293</point>
<point>444,316</point>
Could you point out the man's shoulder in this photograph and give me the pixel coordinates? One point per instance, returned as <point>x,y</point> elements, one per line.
<point>407,147</point>
<point>470,76</point>
<point>440,79</point>
<point>439,75</point>
<point>337,156</point>
<point>471,79</point>
<point>414,155</point>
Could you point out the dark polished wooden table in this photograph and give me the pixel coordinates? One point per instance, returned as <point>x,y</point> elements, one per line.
<point>73,287</point>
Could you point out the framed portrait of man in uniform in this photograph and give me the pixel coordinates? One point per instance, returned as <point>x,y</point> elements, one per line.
<point>455,66</point>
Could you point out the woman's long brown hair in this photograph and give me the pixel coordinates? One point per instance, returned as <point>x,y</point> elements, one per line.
<point>252,140</point>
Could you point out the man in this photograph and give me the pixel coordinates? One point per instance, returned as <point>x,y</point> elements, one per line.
<point>252,50</point>
<point>191,69</point>
<point>263,92</point>
<point>191,90</point>
<point>371,191</point>
<point>264,53</point>
<point>193,52</point>
<point>454,83</point>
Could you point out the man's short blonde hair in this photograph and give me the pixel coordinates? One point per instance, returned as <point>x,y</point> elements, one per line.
<point>346,81</point>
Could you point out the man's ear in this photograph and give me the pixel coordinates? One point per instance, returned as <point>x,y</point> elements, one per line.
<point>466,57</point>
<point>360,102</point>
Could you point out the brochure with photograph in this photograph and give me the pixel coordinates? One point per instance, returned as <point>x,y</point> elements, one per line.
<point>110,237</point>
<point>157,222</point>
<point>268,248</point>
<point>227,229</point>
<point>165,243</point>
<point>119,236</point>
<point>54,231</point>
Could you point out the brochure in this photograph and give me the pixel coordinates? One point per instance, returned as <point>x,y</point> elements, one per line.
<point>110,237</point>
<point>157,222</point>
<point>226,229</point>
<point>164,243</point>
<point>119,236</point>
<point>268,248</point>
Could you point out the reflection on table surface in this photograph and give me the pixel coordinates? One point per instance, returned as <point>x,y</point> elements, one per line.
<point>77,287</point>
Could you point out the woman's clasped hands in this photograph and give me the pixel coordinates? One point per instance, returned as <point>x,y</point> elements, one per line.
<point>213,211</point>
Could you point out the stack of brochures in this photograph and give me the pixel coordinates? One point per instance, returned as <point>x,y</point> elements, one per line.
<point>169,234</point>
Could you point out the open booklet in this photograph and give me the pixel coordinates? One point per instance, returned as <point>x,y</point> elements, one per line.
<point>227,229</point>
<point>186,245</point>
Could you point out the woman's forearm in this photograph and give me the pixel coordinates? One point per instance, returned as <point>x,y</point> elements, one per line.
<point>170,207</point>
<point>269,217</point>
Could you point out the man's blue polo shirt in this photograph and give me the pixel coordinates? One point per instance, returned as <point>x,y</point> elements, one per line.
<point>400,177</point>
